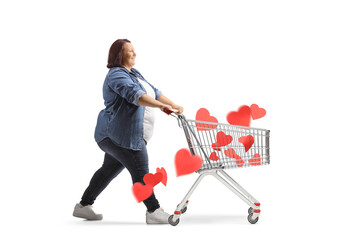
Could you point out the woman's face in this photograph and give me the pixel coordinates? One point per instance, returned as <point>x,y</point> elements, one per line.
<point>129,56</point>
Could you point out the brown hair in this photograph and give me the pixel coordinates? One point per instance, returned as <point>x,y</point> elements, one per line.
<point>116,53</point>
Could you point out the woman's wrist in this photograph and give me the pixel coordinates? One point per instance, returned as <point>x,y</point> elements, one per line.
<point>177,107</point>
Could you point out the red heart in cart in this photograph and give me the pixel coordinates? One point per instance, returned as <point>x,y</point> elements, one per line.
<point>221,140</point>
<point>213,156</point>
<point>257,112</point>
<point>240,162</point>
<point>153,179</point>
<point>241,117</point>
<point>185,163</point>
<point>141,192</point>
<point>255,160</point>
<point>215,147</point>
<point>247,141</point>
<point>164,175</point>
<point>203,115</point>
<point>231,154</point>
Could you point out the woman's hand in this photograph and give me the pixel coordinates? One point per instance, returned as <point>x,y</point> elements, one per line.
<point>179,108</point>
<point>163,106</point>
<point>168,102</point>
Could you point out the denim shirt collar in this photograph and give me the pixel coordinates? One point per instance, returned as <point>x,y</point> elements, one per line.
<point>132,71</point>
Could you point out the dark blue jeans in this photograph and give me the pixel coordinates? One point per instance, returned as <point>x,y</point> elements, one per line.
<point>116,159</point>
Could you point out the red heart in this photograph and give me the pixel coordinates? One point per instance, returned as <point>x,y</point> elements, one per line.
<point>240,162</point>
<point>213,156</point>
<point>153,179</point>
<point>214,146</point>
<point>141,192</point>
<point>247,141</point>
<point>255,160</point>
<point>221,140</point>
<point>241,117</point>
<point>204,115</point>
<point>164,175</point>
<point>231,154</point>
<point>257,112</point>
<point>185,163</point>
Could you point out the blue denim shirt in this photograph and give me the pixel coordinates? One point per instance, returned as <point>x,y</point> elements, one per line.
<point>122,119</point>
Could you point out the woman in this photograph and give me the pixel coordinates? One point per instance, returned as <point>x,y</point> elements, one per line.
<point>123,129</point>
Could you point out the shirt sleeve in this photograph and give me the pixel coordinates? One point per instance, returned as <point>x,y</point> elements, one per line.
<point>157,91</point>
<point>122,84</point>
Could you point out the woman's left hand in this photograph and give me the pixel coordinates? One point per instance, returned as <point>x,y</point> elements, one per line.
<point>177,107</point>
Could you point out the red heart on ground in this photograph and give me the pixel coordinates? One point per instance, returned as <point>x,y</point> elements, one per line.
<point>247,141</point>
<point>257,112</point>
<point>141,192</point>
<point>240,162</point>
<point>153,179</point>
<point>213,156</point>
<point>164,175</point>
<point>255,160</point>
<point>185,163</point>
<point>231,154</point>
<point>241,117</point>
<point>203,115</point>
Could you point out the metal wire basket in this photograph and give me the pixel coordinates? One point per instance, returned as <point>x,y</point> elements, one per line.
<point>222,145</point>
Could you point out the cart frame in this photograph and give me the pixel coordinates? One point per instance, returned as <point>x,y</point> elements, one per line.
<point>211,168</point>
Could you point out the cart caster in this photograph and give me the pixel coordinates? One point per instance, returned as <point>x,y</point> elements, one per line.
<point>250,211</point>
<point>173,223</point>
<point>183,210</point>
<point>251,220</point>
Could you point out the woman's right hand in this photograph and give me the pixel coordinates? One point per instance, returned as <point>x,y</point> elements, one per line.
<point>178,108</point>
<point>163,106</point>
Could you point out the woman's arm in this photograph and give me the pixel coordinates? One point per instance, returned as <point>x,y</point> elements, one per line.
<point>162,98</point>
<point>146,100</point>
<point>165,100</point>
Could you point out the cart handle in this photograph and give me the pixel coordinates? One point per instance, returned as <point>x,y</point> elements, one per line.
<point>170,111</point>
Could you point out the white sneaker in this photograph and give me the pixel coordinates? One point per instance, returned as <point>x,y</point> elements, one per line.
<point>157,217</point>
<point>86,212</point>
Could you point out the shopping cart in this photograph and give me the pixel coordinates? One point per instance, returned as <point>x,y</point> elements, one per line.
<point>212,142</point>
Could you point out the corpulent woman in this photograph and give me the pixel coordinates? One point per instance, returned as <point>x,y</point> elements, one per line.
<point>123,129</point>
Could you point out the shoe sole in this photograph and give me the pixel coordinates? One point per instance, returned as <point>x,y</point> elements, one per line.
<point>86,217</point>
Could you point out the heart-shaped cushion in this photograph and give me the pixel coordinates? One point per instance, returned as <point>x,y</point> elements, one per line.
<point>141,192</point>
<point>241,117</point>
<point>164,175</point>
<point>257,112</point>
<point>247,141</point>
<point>255,160</point>
<point>185,163</point>
<point>203,115</point>
<point>153,179</point>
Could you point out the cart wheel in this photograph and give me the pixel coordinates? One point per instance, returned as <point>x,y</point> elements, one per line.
<point>183,210</point>
<point>252,221</point>
<point>250,211</point>
<point>170,220</point>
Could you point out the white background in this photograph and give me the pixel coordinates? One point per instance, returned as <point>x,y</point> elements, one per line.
<point>297,59</point>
